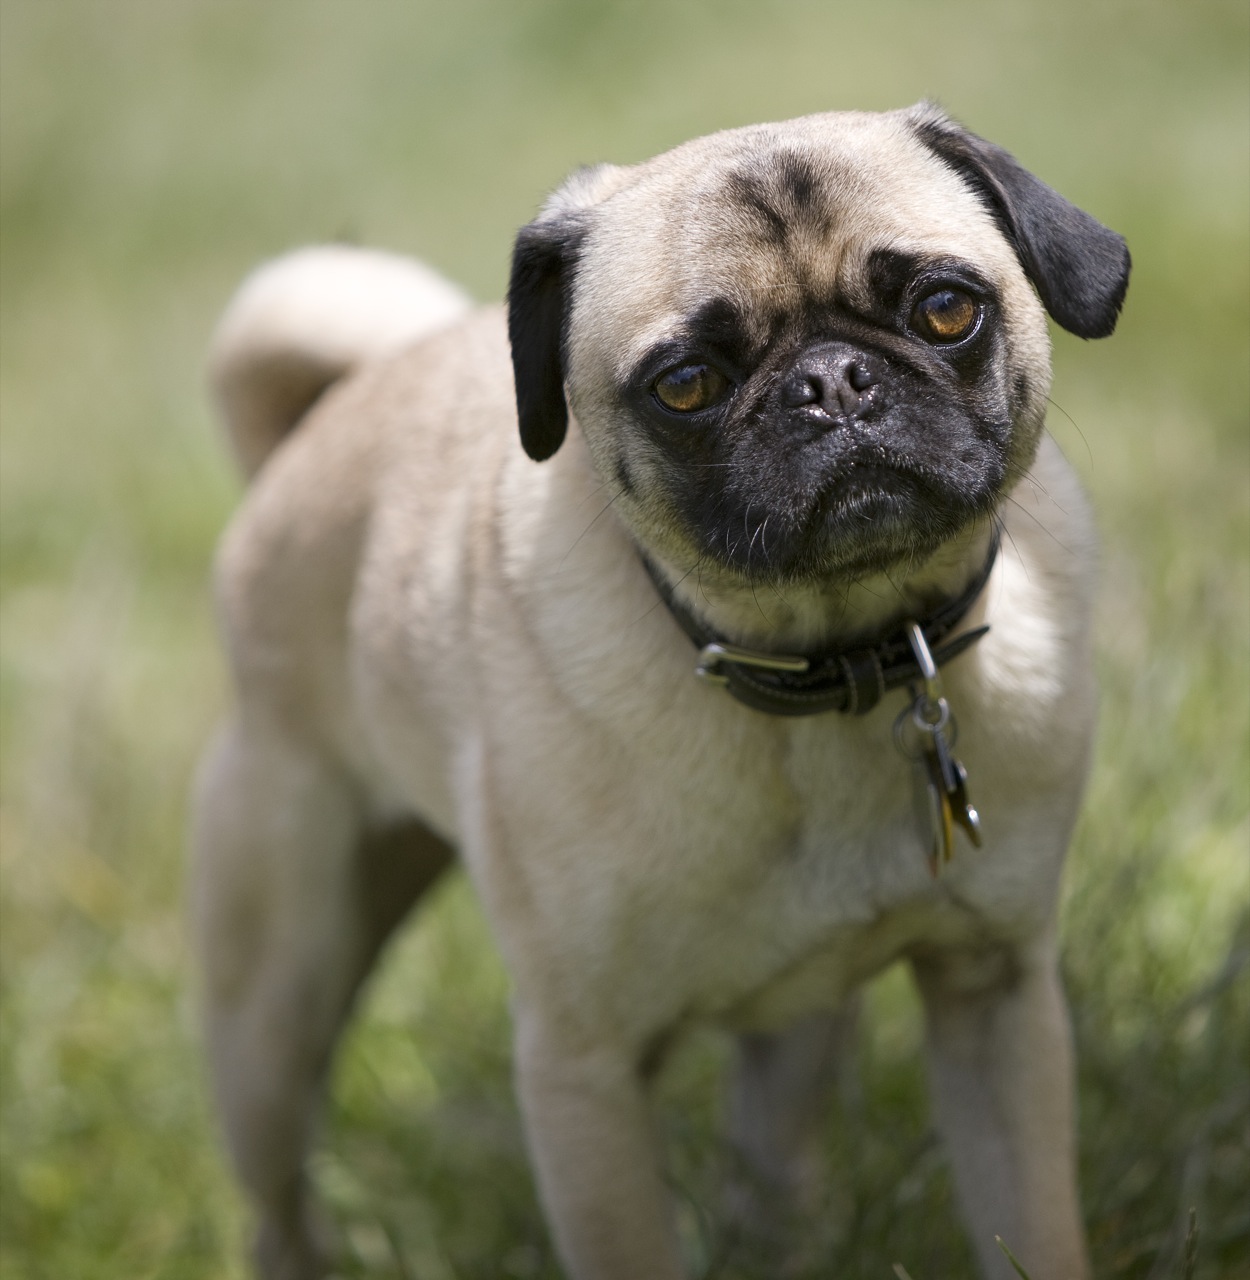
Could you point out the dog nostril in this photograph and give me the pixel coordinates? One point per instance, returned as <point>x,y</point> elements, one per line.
<point>801,389</point>
<point>860,376</point>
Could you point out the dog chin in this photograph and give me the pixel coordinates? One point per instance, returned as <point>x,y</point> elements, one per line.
<point>871,524</point>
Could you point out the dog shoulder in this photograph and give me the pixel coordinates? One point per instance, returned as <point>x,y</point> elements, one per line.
<point>1034,689</point>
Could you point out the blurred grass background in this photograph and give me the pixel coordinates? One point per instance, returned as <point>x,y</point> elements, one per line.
<point>153,151</point>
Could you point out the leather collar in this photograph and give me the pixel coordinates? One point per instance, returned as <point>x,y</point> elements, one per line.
<point>852,681</point>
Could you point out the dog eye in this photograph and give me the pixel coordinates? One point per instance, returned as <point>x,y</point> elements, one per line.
<point>690,387</point>
<point>945,316</point>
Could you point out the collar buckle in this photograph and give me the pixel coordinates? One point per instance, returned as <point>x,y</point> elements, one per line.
<point>851,681</point>
<point>713,656</point>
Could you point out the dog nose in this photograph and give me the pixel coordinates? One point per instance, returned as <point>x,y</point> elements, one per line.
<point>834,380</point>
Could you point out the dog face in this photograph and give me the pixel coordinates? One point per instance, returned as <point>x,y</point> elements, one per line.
<point>805,349</point>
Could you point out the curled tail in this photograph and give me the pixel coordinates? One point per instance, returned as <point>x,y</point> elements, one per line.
<point>303,321</point>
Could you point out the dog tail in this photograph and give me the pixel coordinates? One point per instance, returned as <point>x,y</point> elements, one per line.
<point>303,321</point>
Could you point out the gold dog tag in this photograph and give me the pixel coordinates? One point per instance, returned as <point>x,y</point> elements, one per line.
<point>941,818</point>
<point>924,732</point>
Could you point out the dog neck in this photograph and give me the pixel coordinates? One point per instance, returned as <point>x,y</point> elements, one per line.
<point>850,676</point>
<point>834,613</point>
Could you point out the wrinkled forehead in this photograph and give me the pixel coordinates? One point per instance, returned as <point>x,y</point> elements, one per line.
<point>771,219</point>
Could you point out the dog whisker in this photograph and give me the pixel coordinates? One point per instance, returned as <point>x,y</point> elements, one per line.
<point>759,606</point>
<point>1075,426</point>
<point>1043,527</point>
<point>619,494</point>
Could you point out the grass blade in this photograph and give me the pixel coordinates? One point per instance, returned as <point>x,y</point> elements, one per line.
<point>1020,1271</point>
<point>1189,1267</point>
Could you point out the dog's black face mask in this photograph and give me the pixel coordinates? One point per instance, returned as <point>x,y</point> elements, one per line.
<point>847,439</point>
<point>835,430</point>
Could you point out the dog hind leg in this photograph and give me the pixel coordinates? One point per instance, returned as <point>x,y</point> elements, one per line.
<point>294,897</point>
<point>778,1093</point>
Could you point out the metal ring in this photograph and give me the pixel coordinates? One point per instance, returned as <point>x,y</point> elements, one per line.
<point>901,721</point>
<point>922,720</point>
<point>852,689</point>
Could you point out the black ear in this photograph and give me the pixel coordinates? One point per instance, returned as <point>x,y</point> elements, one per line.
<point>1079,268</point>
<point>544,259</point>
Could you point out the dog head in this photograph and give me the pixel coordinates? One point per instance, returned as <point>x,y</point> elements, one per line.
<point>809,348</point>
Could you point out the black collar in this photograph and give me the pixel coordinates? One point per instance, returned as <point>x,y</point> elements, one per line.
<point>848,680</point>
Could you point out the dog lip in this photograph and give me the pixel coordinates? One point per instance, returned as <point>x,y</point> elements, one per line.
<point>867,500</point>
<point>863,480</point>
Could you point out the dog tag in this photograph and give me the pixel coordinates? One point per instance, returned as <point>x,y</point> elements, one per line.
<point>946,782</point>
<point>954,780</point>
<point>941,816</point>
<point>924,733</point>
<point>961,810</point>
<point>948,766</point>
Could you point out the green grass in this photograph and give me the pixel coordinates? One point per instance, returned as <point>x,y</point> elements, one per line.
<point>151,154</point>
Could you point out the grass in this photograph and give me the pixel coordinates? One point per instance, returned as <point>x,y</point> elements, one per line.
<point>151,153</point>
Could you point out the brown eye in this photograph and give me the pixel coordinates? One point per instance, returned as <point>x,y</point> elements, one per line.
<point>690,387</point>
<point>945,316</point>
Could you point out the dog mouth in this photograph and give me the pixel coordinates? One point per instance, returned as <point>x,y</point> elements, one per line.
<point>868,518</point>
<point>848,505</point>
<point>864,490</point>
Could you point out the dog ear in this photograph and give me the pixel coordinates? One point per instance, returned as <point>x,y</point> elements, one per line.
<point>1079,268</point>
<point>544,259</point>
<point>544,262</point>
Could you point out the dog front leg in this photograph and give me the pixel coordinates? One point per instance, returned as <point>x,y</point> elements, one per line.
<point>594,1150</point>
<point>1001,1076</point>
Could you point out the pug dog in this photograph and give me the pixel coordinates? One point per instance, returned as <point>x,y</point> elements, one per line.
<point>723,608</point>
